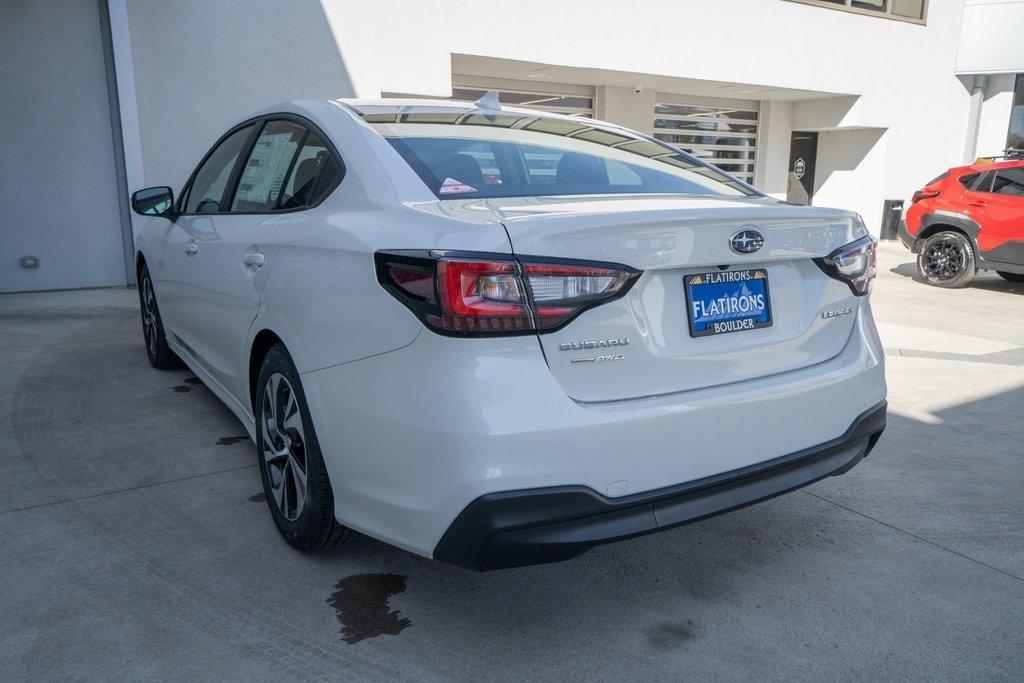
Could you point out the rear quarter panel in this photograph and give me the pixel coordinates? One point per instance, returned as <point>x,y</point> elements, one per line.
<point>322,297</point>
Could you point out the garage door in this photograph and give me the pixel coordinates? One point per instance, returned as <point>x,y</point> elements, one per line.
<point>721,132</point>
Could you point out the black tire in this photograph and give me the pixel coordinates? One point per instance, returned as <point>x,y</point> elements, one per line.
<point>1011,277</point>
<point>159,353</point>
<point>289,453</point>
<point>946,259</point>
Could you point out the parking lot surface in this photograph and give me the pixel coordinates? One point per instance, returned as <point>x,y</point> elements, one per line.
<point>136,544</point>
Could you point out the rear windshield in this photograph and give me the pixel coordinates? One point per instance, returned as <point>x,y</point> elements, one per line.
<point>482,156</point>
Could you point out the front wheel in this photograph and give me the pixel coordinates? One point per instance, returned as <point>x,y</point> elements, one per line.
<point>291,466</point>
<point>946,259</point>
<point>1010,277</point>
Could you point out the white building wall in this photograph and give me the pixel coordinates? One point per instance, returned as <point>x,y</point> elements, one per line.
<point>775,127</point>
<point>851,172</point>
<point>626,107</point>
<point>201,66</point>
<point>992,37</point>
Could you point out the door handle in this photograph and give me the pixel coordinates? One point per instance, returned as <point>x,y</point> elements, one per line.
<point>191,248</point>
<point>254,259</point>
<point>979,204</point>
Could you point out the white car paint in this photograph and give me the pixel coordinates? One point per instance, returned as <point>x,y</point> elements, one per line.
<point>414,426</point>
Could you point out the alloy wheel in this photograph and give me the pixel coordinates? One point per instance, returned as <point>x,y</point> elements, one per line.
<point>944,259</point>
<point>284,446</point>
<point>149,317</point>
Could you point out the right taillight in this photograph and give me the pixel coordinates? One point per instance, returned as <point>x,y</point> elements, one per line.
<point>468,294</point>
<point>853,264</point>
<point>923,194</point>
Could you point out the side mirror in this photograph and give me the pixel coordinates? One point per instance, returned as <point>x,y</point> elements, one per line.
<point>153,201</point>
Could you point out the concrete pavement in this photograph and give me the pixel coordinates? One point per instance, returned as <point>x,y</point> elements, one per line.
<point>134,542</point>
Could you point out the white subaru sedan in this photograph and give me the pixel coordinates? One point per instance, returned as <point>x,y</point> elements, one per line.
<point>500,337</point>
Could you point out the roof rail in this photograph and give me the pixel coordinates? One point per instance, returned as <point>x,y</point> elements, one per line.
<point>1009,154</point>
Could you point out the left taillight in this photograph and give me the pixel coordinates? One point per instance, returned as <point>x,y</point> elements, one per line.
<point>469,294</point>
<point>853,264</point>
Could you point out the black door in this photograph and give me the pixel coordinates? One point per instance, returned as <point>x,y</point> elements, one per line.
<point>803,149</point>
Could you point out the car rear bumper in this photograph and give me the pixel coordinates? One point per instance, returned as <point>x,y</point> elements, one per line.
<point>517,528</point>
<point>443,422</point>
<point>909,241</point>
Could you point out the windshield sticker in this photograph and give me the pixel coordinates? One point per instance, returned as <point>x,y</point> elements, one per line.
<point>452,186</point>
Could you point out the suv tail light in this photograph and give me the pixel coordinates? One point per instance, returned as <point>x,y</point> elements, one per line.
<point>923,194</point>
<point>853,264</point>
<point>470,294</point>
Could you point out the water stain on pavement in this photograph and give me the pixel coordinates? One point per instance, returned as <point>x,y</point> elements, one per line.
<point>361,604</point>
<point>232,440</point>
<point>670,635</point>
<point>187,386</point>
<point>258,498</point>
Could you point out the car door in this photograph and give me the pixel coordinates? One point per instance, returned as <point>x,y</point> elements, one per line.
<point>176,273</point>
<point>234,259</point>
<point>1002,236</point>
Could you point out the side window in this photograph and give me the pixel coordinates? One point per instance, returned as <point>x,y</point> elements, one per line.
<point>982,183</point>
<point>1009,181</point>
<point>207,190</point>
<point>965,180</point>
<point>267,167</point>
<point>329,179</point>
<point>314,174</point>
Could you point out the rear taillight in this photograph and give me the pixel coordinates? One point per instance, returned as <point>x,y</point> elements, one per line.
<point>467,294</point>
<point>853,264</point>
<point>922,194</point>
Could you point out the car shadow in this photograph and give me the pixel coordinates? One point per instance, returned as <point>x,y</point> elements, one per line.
<point>680,587</point>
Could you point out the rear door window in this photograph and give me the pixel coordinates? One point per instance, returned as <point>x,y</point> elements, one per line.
<point>313,164</point>
<point>267,167</point>
<point>982,183</point>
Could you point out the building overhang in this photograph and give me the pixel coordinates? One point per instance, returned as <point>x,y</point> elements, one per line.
<point>539,73</point>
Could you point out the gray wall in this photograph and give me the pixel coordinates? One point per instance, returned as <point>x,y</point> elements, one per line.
<point>201,66</point>
<point>58,190</point>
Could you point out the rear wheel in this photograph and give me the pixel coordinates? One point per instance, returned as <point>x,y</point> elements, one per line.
<point>946,259</point>
<point>159,353</point>
<point>291,466</point>
<point>1011,277</point>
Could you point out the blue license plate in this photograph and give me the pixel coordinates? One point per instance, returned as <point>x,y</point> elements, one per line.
<point>727,301</point>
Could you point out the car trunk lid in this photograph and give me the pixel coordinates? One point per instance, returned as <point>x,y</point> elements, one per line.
<point>641,344</point>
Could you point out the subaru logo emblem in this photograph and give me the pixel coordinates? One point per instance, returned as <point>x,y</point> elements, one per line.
<point>746,241</point>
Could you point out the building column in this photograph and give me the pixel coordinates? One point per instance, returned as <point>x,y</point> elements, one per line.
<point>626,107</point>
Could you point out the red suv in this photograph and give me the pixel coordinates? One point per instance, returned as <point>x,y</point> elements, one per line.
<point>968,219</point>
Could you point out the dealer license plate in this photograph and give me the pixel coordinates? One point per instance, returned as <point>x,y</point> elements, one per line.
<point>727,301</point>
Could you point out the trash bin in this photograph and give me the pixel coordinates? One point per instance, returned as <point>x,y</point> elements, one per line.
<point>892,214</point>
